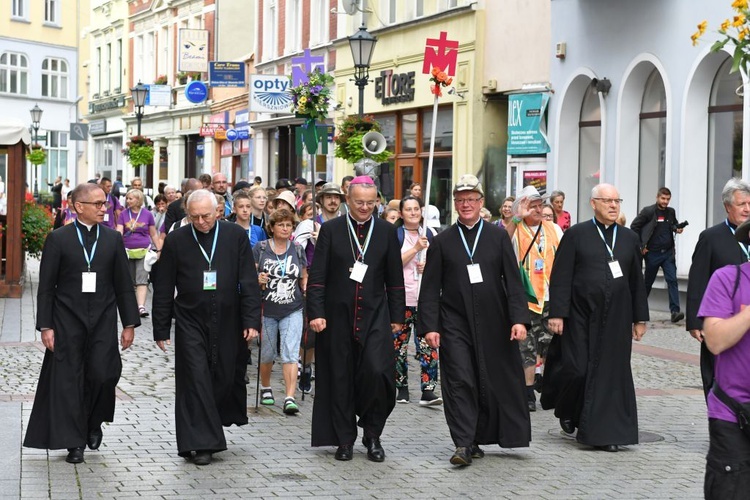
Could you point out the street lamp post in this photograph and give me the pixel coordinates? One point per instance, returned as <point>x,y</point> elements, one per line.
<point>36,118</point>
<point>362,44</point>
<point>139,93</point>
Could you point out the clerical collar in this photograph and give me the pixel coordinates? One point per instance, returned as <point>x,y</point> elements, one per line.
<point>470,226</point>
<point>355,221</point>
<point>209,233</point>
<point>731,225</point>
<point>88,226</point>
<point>602,225</point>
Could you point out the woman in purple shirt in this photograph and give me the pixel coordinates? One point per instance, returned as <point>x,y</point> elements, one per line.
<point>139,235</point>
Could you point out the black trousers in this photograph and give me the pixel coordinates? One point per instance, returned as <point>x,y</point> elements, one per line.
<point>727,462</point>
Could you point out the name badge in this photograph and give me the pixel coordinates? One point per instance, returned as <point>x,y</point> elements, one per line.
<point>88,282</point>
<point>475,273</point>
<point>106,217</point>
<point>209,280</point>
<point>614,267</point>
<point>358,272</point>
<point>538,266</point>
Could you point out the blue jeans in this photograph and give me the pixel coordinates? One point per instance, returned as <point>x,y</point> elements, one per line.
<point>656,259</point>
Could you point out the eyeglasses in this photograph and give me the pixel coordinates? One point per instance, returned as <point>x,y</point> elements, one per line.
<point>609,201</point>
<point>203,217</point>
<point>360,203</point>
<point>467,201</point>
<point>97,204</point>
<point>548,216</point>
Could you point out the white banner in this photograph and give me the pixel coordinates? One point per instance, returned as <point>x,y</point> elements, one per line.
<point>270,94</point>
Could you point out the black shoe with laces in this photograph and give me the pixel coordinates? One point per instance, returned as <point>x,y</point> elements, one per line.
<point>403,395</point>
<point>677,316</point>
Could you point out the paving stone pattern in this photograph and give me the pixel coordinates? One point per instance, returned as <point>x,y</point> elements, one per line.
<point>271,457</point>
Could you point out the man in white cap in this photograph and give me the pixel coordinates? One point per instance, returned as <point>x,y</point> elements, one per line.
<point>535,243</point>
<point>472,306</point>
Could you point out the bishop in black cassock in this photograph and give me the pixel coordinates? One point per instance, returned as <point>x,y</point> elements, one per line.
<point>82,364</point>
<point>598,305</point>
<point>355,361</point>
<point>216,310</point>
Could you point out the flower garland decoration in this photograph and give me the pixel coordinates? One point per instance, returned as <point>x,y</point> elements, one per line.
<point>440,79</point>
<point>312,97</point>
<point>37,155</point>
<point>139,150</point>
<point>349,139</point>
<point>735,31</point>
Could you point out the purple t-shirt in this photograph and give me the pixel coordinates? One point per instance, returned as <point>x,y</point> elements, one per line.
<point>135,227</point>
<point>732,367</point>
<point>113,204</point>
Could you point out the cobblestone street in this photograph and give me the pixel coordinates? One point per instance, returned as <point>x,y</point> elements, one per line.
<point>271,457</point>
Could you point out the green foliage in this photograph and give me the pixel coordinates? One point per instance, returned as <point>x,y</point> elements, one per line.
<point>139,150</point>
<point>36,224</point>
<point>312,97</point>
<point>348,141</point>
<point>37,155</point>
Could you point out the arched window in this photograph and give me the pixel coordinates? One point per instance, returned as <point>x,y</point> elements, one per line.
<point>14,73</point>
<point>653,139</point>
<point>55,78</point>
<point>724,138</point>
<point>589,144</point>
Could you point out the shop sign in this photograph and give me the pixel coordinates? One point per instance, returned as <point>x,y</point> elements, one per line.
<point>98,127</point>
<point>527,133</point>
<point>536,178</point>
<point>270,94</point>
<point>226,74</point>
<point>158,95</point>
<point>392,88</point>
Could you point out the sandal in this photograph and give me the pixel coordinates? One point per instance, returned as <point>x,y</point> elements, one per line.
<point>266,397</point>
<point>290,406</point>
<point>143,312</point>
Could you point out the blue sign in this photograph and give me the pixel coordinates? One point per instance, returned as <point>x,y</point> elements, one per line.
<point>196,92</point>
<point>226,74</point>
<point>527,134</point>
<point>232,134</point>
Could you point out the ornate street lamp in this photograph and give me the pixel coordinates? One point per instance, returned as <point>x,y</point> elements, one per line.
<point>139,93</point>
<point>36,118</point>
<point>362,44</point>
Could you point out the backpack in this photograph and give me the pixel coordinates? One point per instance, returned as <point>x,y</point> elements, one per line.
<point>297,248</point>
<point>400,233</point>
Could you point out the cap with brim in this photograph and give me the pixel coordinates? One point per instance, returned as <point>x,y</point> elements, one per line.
<point>531,193</point>
<point>432,216</point>
<point>241,185</point>
<point>286,196</point>
<point>320,183</point>
<point>468,182</point>
<point>283,184</point>
<point>329,188</point>
<point>742,234</point>
<point>300,180</point>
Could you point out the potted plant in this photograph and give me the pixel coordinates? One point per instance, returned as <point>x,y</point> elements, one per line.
<point>195,77</point>
<point>348,140</point>
<point>37,155</point>
<point>139,150</point>
<point>161,80</point>
<point>182,77</point>
<point>36,224</point>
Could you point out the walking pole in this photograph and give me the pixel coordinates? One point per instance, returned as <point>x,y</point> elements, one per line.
<point>257,378</point>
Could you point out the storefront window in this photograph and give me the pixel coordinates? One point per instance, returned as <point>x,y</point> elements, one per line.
<point>724,138</point>
<point>443,131</point>
<point>653,140</point>
<point>408,133</point>
<point>590,137</point>
<point>441,185</point>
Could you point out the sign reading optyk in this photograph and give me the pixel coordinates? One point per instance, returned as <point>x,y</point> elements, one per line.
<point>527,133</point>
<point>270,94</point>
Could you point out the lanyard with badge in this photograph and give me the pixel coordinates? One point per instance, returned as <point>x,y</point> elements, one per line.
<point>742,246</point>
<point>130,219</point>
<point>475,273</point>
<point>281,263</point>
<point>88,278</point>
<point>109,205</point>
<point>358,270</point>
<point>209,277</point>
<point>614,266</point>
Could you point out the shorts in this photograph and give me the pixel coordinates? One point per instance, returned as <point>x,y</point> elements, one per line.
<point>537,338</point>
<point>289,328</point>
<point>137,272</point>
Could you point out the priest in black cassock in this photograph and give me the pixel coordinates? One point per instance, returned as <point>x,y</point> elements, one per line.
<point>598,305</point>
<point>473,307</point>
<point>356,301</point>
<point>83,281</point>
<point>216,311</point>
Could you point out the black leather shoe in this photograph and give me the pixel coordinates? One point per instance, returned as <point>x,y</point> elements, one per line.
<point>187,455</point>
<point>95,438</point>
<point>532,405</point>
<point>476,451</point>
<point>75,456</point>
<point>677,316</point>
<point>343,453</point>
<point>202,458</point>
<point>567,425</point>
<point>375,451</point>
<point>462,456</point>
<point>612,448</point>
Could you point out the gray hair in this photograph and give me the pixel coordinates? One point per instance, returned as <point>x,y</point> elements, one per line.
<point>596,190</point>
<point>556,193</point>
<point>200,195</point>
<point>169,186</point>
<point>733,185</point>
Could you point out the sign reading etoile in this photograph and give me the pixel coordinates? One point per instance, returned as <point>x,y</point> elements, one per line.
<point>305,64</point>
<point>441,53</point>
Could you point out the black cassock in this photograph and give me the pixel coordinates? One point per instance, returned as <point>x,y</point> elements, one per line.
<point>355,368</point>
<point>587,375</point>
<point>76,390</point>
<point>482,375</point>
<point>210,351</point>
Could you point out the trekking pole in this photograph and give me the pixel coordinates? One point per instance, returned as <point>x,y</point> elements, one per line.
<point>257,378</point>
<point>304,353</point>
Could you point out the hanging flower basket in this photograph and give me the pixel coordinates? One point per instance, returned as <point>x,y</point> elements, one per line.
<point>311,99</point>
<point>349,139</point>
<point>36,224</point>
<point>139,150</point>
<point>37,155</point>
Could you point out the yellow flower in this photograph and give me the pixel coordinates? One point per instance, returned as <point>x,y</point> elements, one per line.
<point>694,37</point>
<point>702,27</point>
<point>724,26</point>
<point>739,20</point>
<point>739,4</point>
<point>302,100</point>
<point>745,33</point>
